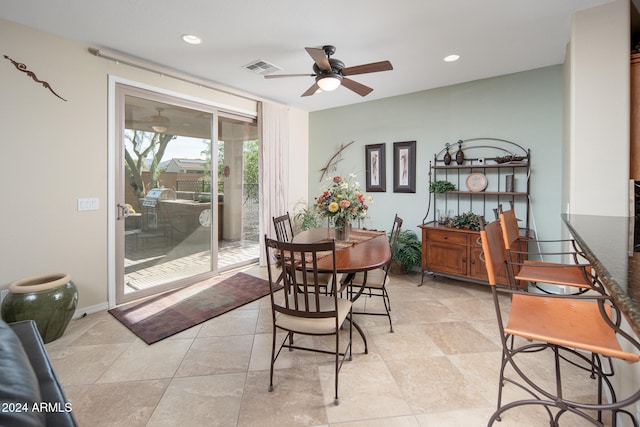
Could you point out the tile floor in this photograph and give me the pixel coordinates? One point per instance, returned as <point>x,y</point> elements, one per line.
<point>439,368</point>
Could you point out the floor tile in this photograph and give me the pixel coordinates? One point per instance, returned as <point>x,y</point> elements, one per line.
<point>210,400</point>
<point>217,355</point>
<point>141,361</point>
<point>438,368</point>
<point>296,400</point>
<point>359,392</point>
<point>84,364</point>
<point>126,404</point>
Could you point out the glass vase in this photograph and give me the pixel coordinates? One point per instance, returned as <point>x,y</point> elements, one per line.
<point>343,230</point>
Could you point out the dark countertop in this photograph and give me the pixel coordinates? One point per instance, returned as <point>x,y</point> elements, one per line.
<point>608,245</point>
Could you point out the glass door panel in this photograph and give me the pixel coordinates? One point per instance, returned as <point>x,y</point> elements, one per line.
<point>238,234</point>
<point>167,219</point>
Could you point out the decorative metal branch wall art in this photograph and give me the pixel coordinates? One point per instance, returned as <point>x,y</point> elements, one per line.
<point>22,67</point>
<point>332,164</point>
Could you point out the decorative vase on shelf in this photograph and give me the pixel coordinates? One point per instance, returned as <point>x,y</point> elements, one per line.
<point>343,230</point>
<point>50,300</point>
<point>447,155</point>
<point>459,154</point>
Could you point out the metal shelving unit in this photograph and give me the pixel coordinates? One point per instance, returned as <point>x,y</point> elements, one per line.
<point>493,158</point>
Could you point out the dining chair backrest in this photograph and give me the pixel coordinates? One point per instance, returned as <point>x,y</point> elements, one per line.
<point>493,251</point>
<point>510,231</point>
<point>393,235</point>
<point>284,229</point>
<point>303,281</point>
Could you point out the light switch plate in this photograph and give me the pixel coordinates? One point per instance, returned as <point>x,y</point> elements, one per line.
<point>88,204</point>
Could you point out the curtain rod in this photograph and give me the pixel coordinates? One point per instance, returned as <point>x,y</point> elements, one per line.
<point>149,66</point>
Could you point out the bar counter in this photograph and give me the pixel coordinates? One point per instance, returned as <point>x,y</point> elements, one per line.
<point>608,245</point>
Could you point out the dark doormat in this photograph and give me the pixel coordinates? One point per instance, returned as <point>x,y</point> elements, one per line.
<point>158,317</point>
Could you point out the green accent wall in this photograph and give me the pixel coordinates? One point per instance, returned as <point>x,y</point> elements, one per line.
<point>525,107</point>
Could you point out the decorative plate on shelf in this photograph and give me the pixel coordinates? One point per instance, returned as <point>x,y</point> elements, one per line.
<point>477,182</point>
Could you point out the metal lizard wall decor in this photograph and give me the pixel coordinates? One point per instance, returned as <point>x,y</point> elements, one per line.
<point>332,164</point>
<point>22,67</point>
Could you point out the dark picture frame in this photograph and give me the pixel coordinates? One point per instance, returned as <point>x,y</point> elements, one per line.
<point>404,167</point>
<point>375,163</point>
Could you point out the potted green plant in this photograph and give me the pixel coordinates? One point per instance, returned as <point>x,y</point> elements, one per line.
<point>408,252</point>
<point>441,187</point>
<point>467,220</point>
<point>305,217</point>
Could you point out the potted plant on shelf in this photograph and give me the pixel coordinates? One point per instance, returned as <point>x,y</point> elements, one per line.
<point>441,187</point>
<point>408,252</point>
<point>467,220</point>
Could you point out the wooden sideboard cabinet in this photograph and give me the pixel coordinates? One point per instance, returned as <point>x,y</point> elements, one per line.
<point>453,252</point>
<point>481,174</point>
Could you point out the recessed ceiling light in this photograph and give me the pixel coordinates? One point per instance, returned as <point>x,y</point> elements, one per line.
<point>191,39</point>
<point>451,58</point>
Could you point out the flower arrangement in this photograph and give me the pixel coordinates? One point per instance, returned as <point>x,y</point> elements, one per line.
<point>342,201</point>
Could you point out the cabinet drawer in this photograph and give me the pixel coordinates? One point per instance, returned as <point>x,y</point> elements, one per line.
<point>444,236</point>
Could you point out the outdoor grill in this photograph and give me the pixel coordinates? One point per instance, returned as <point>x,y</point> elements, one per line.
<point>150,206</point>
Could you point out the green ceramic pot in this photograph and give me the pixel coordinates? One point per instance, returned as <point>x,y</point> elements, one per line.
<point>50,300</point>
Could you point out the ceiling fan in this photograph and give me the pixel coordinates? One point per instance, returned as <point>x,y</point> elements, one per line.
<point>331,73</point>
<point>157,122</point>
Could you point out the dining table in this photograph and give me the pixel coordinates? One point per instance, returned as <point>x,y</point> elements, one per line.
<point>364,250</point>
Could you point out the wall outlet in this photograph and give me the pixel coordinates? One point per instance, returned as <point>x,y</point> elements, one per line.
<point>88,204</point>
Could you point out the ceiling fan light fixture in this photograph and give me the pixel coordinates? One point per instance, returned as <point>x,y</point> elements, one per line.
<point>191,39</point>
<point>159,129</point>
<point>329,82</point>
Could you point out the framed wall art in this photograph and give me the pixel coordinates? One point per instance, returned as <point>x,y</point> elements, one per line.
<point>404,167</point>
<point>375,163</point>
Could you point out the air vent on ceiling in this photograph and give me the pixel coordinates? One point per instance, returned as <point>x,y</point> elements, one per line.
<point>261,66</point>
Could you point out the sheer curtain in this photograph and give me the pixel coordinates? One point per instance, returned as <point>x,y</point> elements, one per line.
<point>274,166</point>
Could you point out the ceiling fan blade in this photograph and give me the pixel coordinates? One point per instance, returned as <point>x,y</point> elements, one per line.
<point>278,76</point>
<point>358,88</point>
<point>319,57</point>
<point>313,89</point>
<point>373,67</point>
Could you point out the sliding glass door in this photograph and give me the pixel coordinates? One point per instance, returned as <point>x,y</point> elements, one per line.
<point>184,208</point>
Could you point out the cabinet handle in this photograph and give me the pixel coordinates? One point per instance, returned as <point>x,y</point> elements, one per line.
<point>445,237</point>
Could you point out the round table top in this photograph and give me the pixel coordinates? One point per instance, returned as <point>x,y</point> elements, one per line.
<point>366,255</point>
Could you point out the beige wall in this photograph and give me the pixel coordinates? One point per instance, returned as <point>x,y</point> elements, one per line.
<point>61,151</point>
<point>596,164</point>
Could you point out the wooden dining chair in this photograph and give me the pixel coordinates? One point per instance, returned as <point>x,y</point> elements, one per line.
<point>284,233</point>
<point>283,227</point>
<point>301,307</point>
<point>579,331</point>
<point>577,274</point>
<point>373,283</point>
